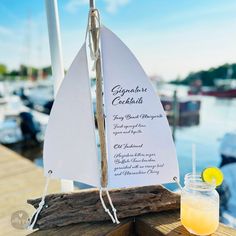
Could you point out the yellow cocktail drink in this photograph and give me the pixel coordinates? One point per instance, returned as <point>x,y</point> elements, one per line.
<point>199,211</point>
<point>199,215</point>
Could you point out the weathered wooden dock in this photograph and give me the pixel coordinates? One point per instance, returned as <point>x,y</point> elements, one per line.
<point>158,224</point>
<point>20,180</point>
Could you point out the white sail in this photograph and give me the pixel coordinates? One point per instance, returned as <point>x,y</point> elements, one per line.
<point>70,148</point>
<point>140,147</point>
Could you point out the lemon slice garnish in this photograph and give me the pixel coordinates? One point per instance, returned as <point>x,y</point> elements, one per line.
<point>213,175</point>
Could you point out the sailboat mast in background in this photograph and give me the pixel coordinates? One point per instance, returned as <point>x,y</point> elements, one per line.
<point>56,60</point>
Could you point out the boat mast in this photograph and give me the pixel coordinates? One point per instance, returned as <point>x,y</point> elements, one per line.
<point>56,61</point>
<point>99,94</point>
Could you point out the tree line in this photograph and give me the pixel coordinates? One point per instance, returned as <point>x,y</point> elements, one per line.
<point>23,71</point>
<point>207,77</point>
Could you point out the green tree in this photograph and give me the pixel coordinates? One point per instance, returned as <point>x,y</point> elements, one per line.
<point>3,69</point>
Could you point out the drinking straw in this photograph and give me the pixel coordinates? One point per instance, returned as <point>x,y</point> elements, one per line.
<point>193,159</point>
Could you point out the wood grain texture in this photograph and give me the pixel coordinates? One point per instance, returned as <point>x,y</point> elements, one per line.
<point>154,224</point>
<point>99,97</point>
<point>85,206</point>
<point>125,228</point>
<point>168,223</point>
<point>20,180</point>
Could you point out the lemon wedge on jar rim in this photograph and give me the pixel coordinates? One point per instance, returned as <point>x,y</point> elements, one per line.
<point>213,175</point>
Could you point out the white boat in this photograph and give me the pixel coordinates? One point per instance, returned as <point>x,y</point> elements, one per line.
<point>12,116</point>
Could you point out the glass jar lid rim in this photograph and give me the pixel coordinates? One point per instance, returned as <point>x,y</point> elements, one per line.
<point>194,181</point>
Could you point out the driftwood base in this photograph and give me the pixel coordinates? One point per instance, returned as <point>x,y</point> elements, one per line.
<point>84,206</point>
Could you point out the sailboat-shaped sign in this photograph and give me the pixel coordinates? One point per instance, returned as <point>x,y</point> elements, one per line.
<point>140,149</point>
<point>139,142</point>
<point>139,146</point>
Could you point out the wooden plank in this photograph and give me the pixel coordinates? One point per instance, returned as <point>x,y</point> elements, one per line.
<point>143,229</point>
<point>125,230</point>
<point>155,224</point>
<point>168,223</point>
<point>20,179</point>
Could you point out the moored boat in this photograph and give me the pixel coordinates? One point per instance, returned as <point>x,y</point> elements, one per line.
<point>224,88</point>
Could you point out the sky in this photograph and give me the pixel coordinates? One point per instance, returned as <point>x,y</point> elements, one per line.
<point>170,38</point>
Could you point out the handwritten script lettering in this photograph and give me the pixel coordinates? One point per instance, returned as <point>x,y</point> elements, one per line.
<point>131,155</point>
<point>124,96</point>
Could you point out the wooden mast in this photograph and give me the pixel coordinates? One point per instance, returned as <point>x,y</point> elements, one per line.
<point>99,94</point>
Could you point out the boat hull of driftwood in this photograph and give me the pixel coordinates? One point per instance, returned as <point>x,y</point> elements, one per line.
<point>85,206</point>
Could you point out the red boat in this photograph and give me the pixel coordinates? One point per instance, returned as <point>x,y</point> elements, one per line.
<point>222,89</point>
<point>231,93</point>
<point>222,94</point>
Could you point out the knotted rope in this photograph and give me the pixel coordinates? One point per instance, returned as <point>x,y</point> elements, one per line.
<point>41,204</point>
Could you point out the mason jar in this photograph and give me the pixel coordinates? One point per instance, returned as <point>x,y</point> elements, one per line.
<point>199,210</point>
